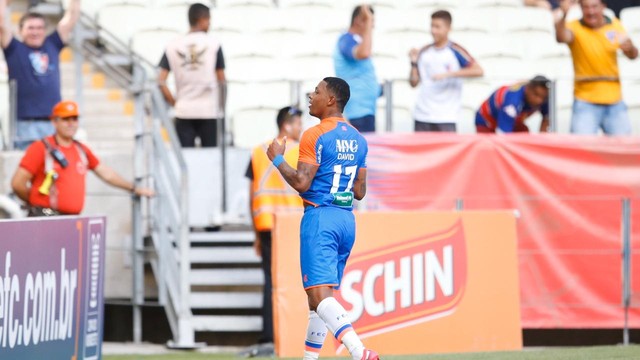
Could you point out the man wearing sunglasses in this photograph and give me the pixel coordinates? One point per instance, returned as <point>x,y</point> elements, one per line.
<point>51,175</point>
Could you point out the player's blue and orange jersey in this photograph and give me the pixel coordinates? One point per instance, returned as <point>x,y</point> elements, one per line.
<point>339,151</point>
<point>506,107</point>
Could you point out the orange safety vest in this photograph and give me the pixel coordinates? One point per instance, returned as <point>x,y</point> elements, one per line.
<point>271,193</point>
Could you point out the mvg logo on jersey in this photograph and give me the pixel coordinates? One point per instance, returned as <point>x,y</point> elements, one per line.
<point>343,146</point>
<point>346,149</point>
<point>407,283</point>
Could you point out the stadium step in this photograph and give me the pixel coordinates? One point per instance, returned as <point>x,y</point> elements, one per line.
<point>227,323</point>
<point>226,282</point>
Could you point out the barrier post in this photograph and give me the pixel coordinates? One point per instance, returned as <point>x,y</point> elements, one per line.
<point>626,266</point>
<point>388,107</point>
<point>553,107</point>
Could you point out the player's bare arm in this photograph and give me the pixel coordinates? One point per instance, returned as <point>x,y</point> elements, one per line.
<point>563,35</point>
<point>69,20</point>
<point>360,184</point>
<point>300,179</point>
<point>5,28</point>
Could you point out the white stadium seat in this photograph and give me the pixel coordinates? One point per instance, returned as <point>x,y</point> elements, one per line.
<point>151,44</point>
<point>525,20</point>
<point>122,20</point>
<point>630,18</point>
<point>312,4</point>
<point>246,4</point>
<point>251,127</point>
<point>252,95</point>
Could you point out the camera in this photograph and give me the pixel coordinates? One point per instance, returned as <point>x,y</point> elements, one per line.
<point>59,157</point>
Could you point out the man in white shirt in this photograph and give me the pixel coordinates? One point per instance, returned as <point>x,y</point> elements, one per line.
<point>198,65</point>
<point>439,68</point>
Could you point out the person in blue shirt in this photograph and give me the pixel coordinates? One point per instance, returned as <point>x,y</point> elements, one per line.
<point>506,110</point>
<point>352,62</point>
<point>34,64</point>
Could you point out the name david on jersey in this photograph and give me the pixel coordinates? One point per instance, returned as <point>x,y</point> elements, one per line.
<point>346,149</point>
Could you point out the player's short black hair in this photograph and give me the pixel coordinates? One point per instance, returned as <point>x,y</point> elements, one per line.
<point>442,14</point>
<point>604,2</point>
<point>357,10</point>
<point>340,90</point>
<point>29,16</point>
<point>286,114</point>
<point>198,11</point>
<point>540,81</point>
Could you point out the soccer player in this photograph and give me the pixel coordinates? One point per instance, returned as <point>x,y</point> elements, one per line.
<point>331,173</point>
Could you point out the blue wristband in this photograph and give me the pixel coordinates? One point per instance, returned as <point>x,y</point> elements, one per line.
<point>279,159</point>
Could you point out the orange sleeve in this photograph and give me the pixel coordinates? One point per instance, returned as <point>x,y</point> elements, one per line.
<point>33,159</point>
<point>308,146</point>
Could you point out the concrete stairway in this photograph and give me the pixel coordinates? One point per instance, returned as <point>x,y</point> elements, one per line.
<point>226,282</point>
<point>106,121</point>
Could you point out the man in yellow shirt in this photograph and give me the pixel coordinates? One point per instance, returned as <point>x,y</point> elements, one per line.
<point>594,41</point>
<point>269,193</point>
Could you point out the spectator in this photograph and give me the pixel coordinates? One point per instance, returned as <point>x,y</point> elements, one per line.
<point>269,192</point>
<point>506,110</point>
<point>51,175</point>
<point>594,41</point>
<point>352,62</point>
<point>439,69</point>
<point>198,65</point>
<point>34,64</point>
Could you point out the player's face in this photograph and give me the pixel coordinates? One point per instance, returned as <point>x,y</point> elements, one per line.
<point>33,32</point>
<point>592,12</point>
<point>204,24</point>
<point>536,96</point>
<point>66,127</point>
<point>318,99</point>
<point>439,29</point>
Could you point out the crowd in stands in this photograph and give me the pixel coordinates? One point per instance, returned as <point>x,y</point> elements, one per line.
<point>437,70</point>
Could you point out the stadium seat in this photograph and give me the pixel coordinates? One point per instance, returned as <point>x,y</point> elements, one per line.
<point>151,44</point>
<point>401,119</point>
<point>244,4</point>
<point>92,8</point>
<point>309,66</point>
<point>467,120</point>
<point>479,21</point>
<point>403,94</point>
<point>475,92</point>
<point>251,127</point>
<point>630,18</point>
<point>554,65</point>
<point>312,20</point>
<point>173,18</point>
<point>312,4</point>
<point>494,3</point>
<point>563,120</point>
<point>252,95</point>
<point>434,4</point>
<point>525,20</point>
<point>226,19</point>
<point>187,3</point>
<point>122,20</point>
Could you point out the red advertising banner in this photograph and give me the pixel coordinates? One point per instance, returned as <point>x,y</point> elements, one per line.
<point>415,283</point>
<point>567,191</point>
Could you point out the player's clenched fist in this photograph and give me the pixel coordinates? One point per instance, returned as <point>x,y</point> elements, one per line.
<point>275,148</point>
